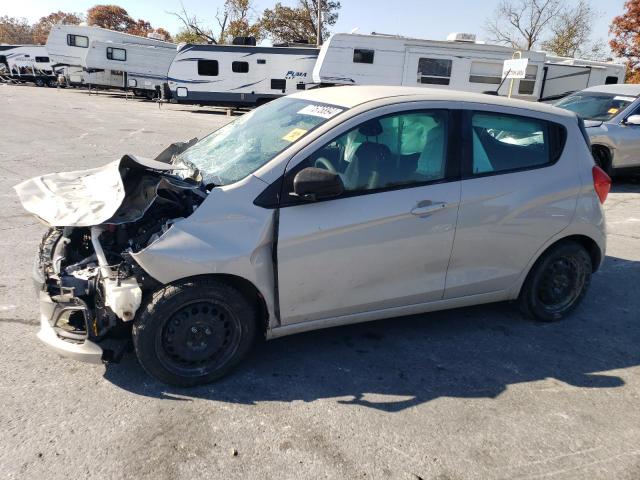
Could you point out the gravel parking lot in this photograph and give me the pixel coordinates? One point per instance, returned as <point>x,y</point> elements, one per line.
<point>475,393</point>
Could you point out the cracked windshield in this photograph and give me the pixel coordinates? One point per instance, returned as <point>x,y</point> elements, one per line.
<point>246,144</point>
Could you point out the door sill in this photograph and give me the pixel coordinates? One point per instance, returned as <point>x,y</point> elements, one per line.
<point>467,301</point>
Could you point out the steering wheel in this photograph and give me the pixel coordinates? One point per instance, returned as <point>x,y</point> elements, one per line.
<point>322,162</point>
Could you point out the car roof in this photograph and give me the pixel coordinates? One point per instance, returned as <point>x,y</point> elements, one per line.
<point>349,96</point>
<point>617,89</point>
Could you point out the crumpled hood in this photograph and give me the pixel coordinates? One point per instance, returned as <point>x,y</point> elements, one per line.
<point>85,198</point>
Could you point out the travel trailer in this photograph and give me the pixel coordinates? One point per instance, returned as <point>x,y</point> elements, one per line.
<point>565,75</point>
<point>107,58</point>
<point>239,75</point>
<point>459,63</point>
<point>27,63</point>
<point>145,66</point>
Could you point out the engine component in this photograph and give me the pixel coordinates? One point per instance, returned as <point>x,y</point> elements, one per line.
<point>122,296</point>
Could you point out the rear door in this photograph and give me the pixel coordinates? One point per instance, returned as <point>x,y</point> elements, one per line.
<point>519,188</point>
<point>387,240</point>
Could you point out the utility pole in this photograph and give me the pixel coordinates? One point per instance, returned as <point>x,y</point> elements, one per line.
<point>319,34</point>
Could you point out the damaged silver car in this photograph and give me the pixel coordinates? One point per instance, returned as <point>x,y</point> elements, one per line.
<point>323,208</point>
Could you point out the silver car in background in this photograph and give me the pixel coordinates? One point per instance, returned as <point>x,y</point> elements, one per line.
<point>324,208</point>
<point>611,115</point>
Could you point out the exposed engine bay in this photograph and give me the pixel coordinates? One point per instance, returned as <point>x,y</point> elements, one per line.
<point>98,219</point>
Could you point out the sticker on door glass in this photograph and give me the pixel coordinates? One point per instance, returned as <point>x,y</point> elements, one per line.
<point>322,111</point>
<point>294,134</point>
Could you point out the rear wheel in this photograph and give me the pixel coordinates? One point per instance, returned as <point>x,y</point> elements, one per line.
<point>194,332</point>
<point>557,282</point>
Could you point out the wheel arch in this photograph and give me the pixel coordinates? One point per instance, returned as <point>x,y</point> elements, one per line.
<point>602,152</point>
<point>588,243</point>
<point>244,286</point>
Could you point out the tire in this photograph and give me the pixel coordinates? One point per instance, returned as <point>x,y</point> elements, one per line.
<point>557,282</point>
<point>194,332</point>
<point>39,82</point>
<point>51,83</point>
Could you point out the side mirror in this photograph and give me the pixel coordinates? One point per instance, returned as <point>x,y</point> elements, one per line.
<point>633,120</point>
<point>316,183</point>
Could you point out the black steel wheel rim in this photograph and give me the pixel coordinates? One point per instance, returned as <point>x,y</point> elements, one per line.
<point>197,338</point>
<point>560,284</point>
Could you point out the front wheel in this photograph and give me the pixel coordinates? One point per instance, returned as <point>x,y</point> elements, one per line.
<point>557,282</point>
<point>193,332</point>
<point>39,82</point>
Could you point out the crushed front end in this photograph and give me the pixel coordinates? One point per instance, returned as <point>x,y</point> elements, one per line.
<point>89,286</point>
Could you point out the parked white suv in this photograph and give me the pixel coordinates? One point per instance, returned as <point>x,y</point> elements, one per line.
<point>324,208</point>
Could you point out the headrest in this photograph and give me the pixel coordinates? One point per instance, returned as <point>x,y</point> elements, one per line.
<point>372,128</point>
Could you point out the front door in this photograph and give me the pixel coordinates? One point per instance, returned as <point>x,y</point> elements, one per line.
<point>387,240</point>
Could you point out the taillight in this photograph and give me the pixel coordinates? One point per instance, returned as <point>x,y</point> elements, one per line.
<point>601,183</point>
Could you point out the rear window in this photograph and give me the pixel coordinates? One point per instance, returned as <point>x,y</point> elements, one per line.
<point>503,143</point>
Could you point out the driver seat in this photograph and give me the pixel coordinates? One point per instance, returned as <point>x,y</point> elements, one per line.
<point>369,160</point>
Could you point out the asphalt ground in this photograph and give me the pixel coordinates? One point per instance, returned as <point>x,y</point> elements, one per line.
<point>474,393</point>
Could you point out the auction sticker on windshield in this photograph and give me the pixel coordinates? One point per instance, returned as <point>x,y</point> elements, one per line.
<point>294,134</point>
<point>322,111</point>
<point>624,99</point>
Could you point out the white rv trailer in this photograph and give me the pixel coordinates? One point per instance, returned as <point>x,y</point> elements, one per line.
<point>460,64</point>
<point>27,63</point>
<point>239,75</point>
<point>146,66</point>
<point>71,46</point>
<point>565,75</point>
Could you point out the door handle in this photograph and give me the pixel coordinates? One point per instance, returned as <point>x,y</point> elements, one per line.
<point>426,207</point>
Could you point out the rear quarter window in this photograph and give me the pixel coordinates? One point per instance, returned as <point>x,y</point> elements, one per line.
<point>502,143</point>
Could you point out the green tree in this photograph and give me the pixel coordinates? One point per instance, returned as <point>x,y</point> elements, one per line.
<point>292,24</point>
<point>188,36</point>
<point>571,32</point>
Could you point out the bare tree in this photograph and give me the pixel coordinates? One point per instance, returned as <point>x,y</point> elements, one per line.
<point>193,26</point>
<point>522,23</point>
<point>236,19</point>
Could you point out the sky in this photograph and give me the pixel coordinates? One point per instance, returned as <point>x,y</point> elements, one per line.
<point>432,19</point>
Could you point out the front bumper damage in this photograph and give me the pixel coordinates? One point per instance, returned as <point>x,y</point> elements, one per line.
<point>88,285</point>
<point>78,348</point>
<point>56,313</point>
